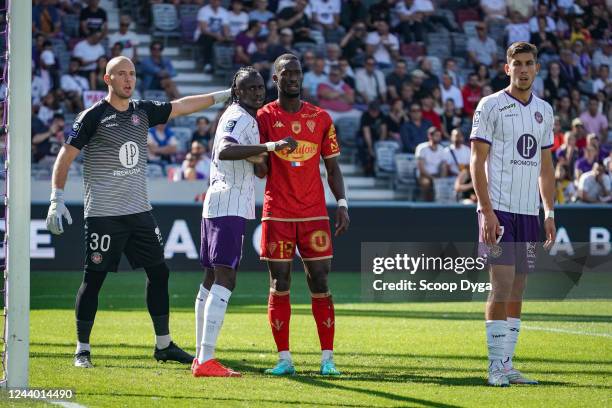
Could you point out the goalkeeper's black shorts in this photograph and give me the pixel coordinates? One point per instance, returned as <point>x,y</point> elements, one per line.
<point>136,235</point>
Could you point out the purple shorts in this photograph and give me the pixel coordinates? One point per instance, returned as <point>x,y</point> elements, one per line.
<point>222,239</point>
<point>517,245</point>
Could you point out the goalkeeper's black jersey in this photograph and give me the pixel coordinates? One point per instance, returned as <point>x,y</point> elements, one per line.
<point>114,147</point>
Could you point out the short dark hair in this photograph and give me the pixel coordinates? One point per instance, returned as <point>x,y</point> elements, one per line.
<point>282,59</point>
<point>156,43</point>
<point>521,47</point>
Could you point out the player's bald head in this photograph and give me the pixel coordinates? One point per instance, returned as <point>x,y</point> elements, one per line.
<point>117,63</point>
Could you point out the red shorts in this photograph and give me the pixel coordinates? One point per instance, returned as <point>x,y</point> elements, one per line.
<point>279,240</point>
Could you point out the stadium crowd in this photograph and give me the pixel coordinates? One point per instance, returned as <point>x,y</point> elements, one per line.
<point>400,78</point>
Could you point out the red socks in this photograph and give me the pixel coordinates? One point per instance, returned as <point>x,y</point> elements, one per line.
<point>279,314</point>
<point>323,312</point>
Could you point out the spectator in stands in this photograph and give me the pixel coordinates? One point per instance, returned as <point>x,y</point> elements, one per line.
<point>482,49</point>
<point>261,14</point>
<point>326,18</point>
<point>40,87</point>
<point>116,50</point>
<point>471,93</point>
<point>414,131</point>
<point>579,33</point>
<point>348,75</point>
<point>396,79</point>
<point>428,113</point>
<point>569,153</point>
<point>48,108</point>
<point>583,60</point>
<point>407,94</point>
<point>577,101</point>
<point>593,121</point>
<point>74,85</point>
<point>465,188</point>
<point>585,163</point>
<point>554,86</point>
<point>353,11</point>
<point>565,112</point>
<point>96,77</point>
<point>382,45</point>
<point>430,81</point>
<point>308,61</point>
<point>451,68</point>
<point>597,22</point>
<point>457,154</point>
<point>334,95</point>
<point>202,133</point>
<point>200,152</point>
<point>189,172</point>
<point>603,82</point>
<point>517,30</point>
<point>48,64</point>
<point>525,7</point>
<point>245,43</point>
<point>494,10</point>
<point>451,119</point>
<point>542,12</point>
<point>371,84</point>
<point>161,144</point>
<point>569,71</point>
<point>296,18</point>
<point>602,149</point>
<point>483,75</point>
<point>558,135</point>
<point>126,37</point>
<point>595,185</point>
<point>158,71</point>
<point>579,132</point>
<point>46,18</point>
<point>450,91</point>
<point>564,185</point>
<point>372,128</point>
<point>353,44</point>
<point>603,55</point>
<point>285,45</point>
<point>93,19</point>
<point>273,33</point>
<point>213,27</point>
<point>397,117</point>
<point>237,18</point>
<point>333,53</point>
<point>430,162</point>
<point>89,50</point>
<point>313,79</point>
<point>47,141</point>
<point>381,10</point>
<point>263,57</point>
<point>411,21</point>
<point>546,41</point>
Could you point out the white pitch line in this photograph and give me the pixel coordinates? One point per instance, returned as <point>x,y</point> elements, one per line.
<point>66,404</point>
<point>578,332</point>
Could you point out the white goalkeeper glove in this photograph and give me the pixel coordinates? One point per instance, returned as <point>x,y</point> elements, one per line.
<point>221,96</point>
<point>57,210</point>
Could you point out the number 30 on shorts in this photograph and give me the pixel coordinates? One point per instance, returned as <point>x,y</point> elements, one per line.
<point>99,242</point>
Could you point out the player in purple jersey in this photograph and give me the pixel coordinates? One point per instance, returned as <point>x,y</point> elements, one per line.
<point>511,160</point>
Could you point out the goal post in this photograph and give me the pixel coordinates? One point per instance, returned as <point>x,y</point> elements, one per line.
<point>17,211</point>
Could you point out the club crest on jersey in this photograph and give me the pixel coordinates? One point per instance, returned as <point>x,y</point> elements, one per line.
<point>319,241</point>
<point>538,117</point>
<point>96,258</point>
<point>272,247</point>
<point>311,124</point>
<point>135,120</point>
<point>229,126</point>
<point>296,127</point>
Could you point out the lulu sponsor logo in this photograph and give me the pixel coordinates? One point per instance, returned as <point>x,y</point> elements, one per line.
<point>304,151</point>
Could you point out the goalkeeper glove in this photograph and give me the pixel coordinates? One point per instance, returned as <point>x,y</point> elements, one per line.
<point>57,210</point>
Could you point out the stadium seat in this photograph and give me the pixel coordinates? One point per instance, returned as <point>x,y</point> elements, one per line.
<point>347,128</point>
<point>302,47</point>
<point>188,26</point>
<point>224,61</point>
<point>188,10</point>
<point>165,21</point>
<point>155,95</point>
<point>412,50</point>
<point>154,170</point>
<point>405,170</point>
<point>459,41</point>
<point>183,138</point>
<point>385,151</point>
<point>469,27</point>
<point>444,190</point>
<point>70,25</point>
<point>186,121</point>
<point>466,14</point>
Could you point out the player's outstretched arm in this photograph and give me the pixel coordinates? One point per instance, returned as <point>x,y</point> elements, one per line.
<point>491,228</point>
<point>230,150</point>
<point>547,192</point>
<point>195,103</point>
<point>58,209</point>
<point>336,184</point>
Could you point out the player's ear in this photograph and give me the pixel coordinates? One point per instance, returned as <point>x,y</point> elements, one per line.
<point>107,79</point>
<point>507,68</point>
<point>275,78</point>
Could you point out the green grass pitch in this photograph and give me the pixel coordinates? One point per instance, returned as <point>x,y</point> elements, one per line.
<point>392,355</point>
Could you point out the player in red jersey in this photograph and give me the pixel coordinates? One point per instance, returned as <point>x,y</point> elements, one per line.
<point>294,212</point>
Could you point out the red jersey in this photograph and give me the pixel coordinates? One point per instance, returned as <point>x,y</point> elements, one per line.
<point>294,191</point>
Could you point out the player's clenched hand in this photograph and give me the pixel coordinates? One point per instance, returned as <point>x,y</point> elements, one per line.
<point>57,210</point>
<point>342,220</point>
<point>288,143</point>
<point>550,232</point>
<point>258,158</point>
<point>490,227</point>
